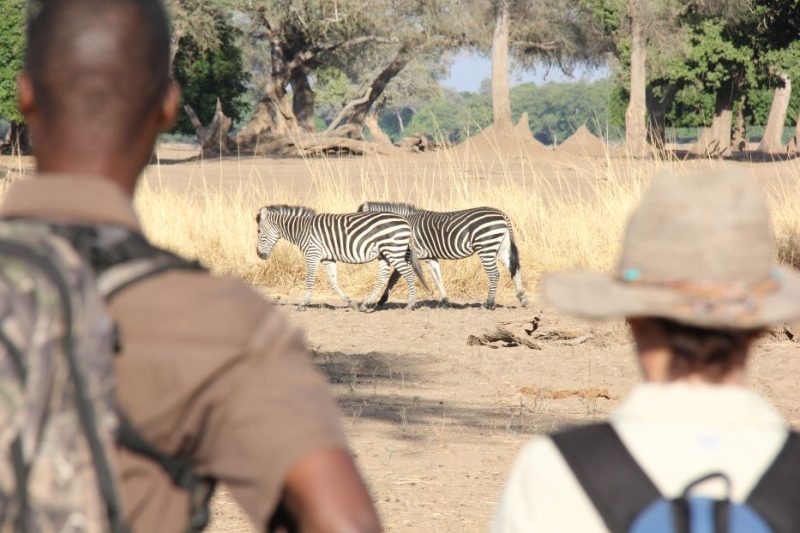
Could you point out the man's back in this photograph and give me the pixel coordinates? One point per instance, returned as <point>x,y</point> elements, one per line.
<point>207,370</point>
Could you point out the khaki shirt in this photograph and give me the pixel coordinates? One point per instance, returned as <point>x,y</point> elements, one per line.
<point>676,432</point>
<point>208,368</point>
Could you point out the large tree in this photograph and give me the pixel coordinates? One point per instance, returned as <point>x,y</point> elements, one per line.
<point>288,40</point>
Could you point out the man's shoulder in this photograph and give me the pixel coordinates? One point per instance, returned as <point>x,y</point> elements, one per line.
<point>198,304</point>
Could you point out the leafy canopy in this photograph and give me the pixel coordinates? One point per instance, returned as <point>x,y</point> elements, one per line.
<point>12,56</point>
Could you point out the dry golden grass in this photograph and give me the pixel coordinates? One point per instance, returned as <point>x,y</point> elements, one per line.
<point>559,221</point>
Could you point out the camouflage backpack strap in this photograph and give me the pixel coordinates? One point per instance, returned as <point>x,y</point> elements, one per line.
<point>122,258</point>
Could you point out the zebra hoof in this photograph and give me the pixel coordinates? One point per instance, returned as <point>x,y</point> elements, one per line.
<point>353,305</point>
<point>523,300</point>
<point>366,308</point>
<point>411,306</point>
<point>445,304</point>
<point>488,305</point>
<point>302,307</point>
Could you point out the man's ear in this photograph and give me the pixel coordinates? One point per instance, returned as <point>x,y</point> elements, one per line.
<point>25,98</point>
<point>169,107</point>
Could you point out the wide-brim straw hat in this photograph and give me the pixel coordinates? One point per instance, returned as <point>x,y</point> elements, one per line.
<point>699,250</point>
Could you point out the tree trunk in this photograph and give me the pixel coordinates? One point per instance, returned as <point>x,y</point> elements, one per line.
<point>657,110</point>
<point>772,142</point>
<point>715,141</point>
<point>740,128</point>
<point>214,137</point>
<point>794,144</point>
<point>635,124</point>
<point>378,135</point>
<point>355,112</point>
<point>303,99</point>
<point>261,122</point>
<point>18,139</point>
<point>501,94</point>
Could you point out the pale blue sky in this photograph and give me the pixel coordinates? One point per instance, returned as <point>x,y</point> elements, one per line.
<point>468,70</point>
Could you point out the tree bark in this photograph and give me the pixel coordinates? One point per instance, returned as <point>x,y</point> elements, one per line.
<point>740,128</point>
<point>355,112</point>
<point>501,93</point>
<point>771,142</point>
<point>213,138</point>
<point>715,141</point>
<point>18,139</point>
<point>657,110</point>
<point>303,99</point>
<point>635,124</point>
<point>378,135</point>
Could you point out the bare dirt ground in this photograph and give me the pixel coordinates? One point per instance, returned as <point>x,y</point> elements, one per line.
<point>435,422</point>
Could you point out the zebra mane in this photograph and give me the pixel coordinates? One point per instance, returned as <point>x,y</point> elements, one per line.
<point>291,210</point>
<point>398,208</point>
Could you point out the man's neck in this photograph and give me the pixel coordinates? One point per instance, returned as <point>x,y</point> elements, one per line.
<point>89,169</point>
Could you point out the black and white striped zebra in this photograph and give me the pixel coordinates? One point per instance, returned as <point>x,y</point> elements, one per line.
<point>455,235</point>
<point>349,238</point>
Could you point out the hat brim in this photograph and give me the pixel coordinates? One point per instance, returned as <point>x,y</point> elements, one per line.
<point>601,296</point>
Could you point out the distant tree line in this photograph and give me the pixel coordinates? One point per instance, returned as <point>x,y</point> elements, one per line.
<point>370,69</point>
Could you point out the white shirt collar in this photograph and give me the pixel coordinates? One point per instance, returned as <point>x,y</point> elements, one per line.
<point>693,404</point>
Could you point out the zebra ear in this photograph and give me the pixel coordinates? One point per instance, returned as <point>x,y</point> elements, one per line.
<point>258,217</point>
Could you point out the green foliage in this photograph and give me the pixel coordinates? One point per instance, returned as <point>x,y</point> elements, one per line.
<point>555,111</point>
<point>453,117</point>
<point>12,55</point>
<point>205,75</point>
<point>332,87</point>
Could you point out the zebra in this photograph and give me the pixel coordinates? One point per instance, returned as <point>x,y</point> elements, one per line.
<point>349,238</point>
<point>456,235</point>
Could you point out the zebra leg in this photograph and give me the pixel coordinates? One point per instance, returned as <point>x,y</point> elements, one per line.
<point>393,279</point>
<point>330,269</point>
<point>436,273</point>
<point>489,262</point>
<point>402,266</point>
<point>312,263</point>
<point>383,274</point>
<point>511,262</point>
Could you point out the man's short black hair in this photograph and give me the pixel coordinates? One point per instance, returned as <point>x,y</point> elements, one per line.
<point>98,64</point>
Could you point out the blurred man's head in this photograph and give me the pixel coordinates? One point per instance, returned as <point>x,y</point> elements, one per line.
<point>96,89</point>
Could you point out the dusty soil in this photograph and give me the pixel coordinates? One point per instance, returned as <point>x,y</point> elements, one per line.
<point>434,422</point>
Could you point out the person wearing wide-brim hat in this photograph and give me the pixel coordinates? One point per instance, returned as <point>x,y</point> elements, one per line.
<point>697,282</point>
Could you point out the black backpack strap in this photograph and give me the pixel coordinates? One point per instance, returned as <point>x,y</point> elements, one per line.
<point>610,476</point>
<point>776,497</point>
<point>179,469</point>
<point>119,256</point>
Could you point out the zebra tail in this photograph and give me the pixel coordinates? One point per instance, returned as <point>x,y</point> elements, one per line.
<point>416,266</point>
<point>513,253</point>
<point>513,259</point>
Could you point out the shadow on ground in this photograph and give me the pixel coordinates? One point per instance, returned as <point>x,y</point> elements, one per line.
<point>367,376</point>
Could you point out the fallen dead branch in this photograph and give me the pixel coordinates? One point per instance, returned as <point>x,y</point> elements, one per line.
<point>526,333</point>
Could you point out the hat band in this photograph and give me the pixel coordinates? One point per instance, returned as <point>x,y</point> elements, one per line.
<point>732,301</point>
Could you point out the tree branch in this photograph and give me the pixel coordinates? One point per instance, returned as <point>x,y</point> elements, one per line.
<point>546,47</point>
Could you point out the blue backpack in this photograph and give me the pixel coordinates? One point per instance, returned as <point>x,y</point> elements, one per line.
<point>629,502</point>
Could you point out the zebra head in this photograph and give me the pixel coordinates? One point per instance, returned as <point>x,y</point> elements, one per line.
<point>268,233</point>
<point>398,208</point>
